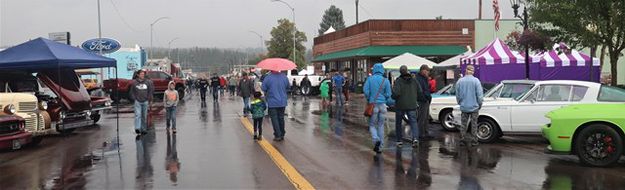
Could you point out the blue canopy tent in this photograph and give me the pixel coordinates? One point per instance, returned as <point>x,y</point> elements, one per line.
<point>45,55</point>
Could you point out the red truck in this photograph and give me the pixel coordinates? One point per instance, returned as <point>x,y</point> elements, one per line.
<point>159,78</point>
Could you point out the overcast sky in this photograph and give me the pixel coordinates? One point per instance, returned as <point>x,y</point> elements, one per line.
<point>206,23</point>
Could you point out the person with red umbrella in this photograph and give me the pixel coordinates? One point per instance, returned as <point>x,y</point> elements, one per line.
<point>276,85</point>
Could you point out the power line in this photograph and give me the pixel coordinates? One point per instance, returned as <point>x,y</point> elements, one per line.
<point>122,18</point>
<point>366,10</point>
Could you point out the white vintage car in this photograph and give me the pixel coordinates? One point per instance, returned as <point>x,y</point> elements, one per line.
<point>442,106</point>
<point>525,114</point>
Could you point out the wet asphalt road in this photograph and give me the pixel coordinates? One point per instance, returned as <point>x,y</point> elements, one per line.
<point>330,147</point>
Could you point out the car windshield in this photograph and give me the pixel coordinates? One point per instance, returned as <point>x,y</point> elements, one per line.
<point>518,98</point>
<point>19,86</point>
<point>611,94</point>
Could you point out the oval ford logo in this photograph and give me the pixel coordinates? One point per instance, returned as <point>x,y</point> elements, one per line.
<point>104,45</point>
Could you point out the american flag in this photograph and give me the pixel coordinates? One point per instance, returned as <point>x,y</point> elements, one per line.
<point>497,14</point>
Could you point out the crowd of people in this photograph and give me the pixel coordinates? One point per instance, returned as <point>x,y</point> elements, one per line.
<point>410,94</point>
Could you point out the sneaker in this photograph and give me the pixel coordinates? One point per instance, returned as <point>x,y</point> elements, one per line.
<point>255,137</point>
<point>137,131</point>
<point>376,148</point>
<point>260,137</point>
<point>399,143</point>
<point>415,143</point>
<point>174,130</point>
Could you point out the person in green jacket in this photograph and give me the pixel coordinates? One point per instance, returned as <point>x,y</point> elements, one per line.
<point>325,92</point>
<point>405,92</point>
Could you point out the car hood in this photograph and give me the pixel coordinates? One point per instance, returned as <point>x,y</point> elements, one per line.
<point>592,111</point>
<point>70,90</point>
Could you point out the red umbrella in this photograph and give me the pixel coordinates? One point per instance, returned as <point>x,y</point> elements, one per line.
<point>276,64</point>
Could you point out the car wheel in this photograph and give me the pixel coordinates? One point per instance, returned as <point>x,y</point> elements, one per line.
<point>487,131</point>
<point>95,118</point>
<point>598,145</point>
<point>36,140</point>
<point>180,93</point>
<point>447,120</point>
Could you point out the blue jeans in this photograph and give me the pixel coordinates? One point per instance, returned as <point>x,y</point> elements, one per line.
<point>412,121</point>
<point>215,93</point>
<point>376,123</point>
<point>246,105</point>
<point>339,95</point>
<point>277,121</point>
<point>170,116</point>
<point>141,115</point>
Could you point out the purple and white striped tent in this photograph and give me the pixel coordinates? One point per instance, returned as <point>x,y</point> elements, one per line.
<point>556,65</point>
<point>497,62</point>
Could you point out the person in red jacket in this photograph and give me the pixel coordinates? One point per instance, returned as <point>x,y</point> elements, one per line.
<point>432,83</point>
<point>222,84</point>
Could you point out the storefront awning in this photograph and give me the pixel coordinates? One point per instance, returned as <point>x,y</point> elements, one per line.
<point>378,51</point>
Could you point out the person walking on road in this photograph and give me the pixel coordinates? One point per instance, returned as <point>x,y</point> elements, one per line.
<point>222,85</point>
<point>324,90</point>
<point>246,90</point>
<point>232,85</point>
<point>424,100</point>
<point>258,112</point>
<point>305,85</point>
<point>170,101</point>
<point>338,81</point>
<point>276,86</point>
<point>347,87</point>
<point>203,85</point>
<point>469,95</point>
<point>405,92</point>
<point>141,92</point>
<point>377,90</point>
<point>215,86</point>
<point>294,87</point>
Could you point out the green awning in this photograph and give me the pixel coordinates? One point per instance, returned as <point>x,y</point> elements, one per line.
<point>378,51</point>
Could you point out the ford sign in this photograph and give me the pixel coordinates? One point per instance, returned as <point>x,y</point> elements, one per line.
<point>104,45</point>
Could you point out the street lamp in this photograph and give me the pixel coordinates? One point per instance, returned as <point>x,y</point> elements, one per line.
<point>524,19</point>
<point>262,42</point>
<point>169,47</point>
<point>294,29</point>
<point>152,33</point>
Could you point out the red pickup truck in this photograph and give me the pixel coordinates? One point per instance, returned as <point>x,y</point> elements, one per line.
<point>159,78</point>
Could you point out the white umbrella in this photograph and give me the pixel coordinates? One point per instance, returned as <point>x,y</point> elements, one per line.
<point>412,61</point>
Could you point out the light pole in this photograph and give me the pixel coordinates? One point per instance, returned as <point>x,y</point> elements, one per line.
<point>524,19</point>
<point>152,33</point>
<point>262,42</point>
<point>169,47</point>
<point>294,29</point>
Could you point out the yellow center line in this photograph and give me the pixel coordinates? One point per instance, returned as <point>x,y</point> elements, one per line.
<point>287,169</point>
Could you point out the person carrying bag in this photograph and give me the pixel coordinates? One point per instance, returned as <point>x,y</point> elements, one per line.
<point>376,102</point>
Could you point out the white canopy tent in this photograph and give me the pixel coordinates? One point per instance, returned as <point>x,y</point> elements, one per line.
<point>412,61</point>
<point>454,61</point>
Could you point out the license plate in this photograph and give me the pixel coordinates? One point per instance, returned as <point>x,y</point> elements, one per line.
<point>17,144</point>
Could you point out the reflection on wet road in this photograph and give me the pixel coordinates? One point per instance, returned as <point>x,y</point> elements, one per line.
<point>329,146</point>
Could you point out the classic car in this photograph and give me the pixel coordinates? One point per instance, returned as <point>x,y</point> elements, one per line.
<point>20,97</point>
<point>12,133</point>
<point>524,115</point>
<point>160,80</point>
<point>593,132</point>
<point>442,106</point>
<point>70,106</point>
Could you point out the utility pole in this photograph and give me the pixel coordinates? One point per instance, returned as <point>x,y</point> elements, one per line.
<point>479,17</point>
<point>357,11</point>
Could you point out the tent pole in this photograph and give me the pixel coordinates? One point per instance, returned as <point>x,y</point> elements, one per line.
<point>117,104</point>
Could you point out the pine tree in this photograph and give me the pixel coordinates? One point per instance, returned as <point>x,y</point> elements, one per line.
<point>333,16</point>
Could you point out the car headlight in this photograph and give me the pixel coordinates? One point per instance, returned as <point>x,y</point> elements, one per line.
<point>43,105</point>
<point>88,113</point>
<point>62,115</point>
<point>107,103</point>
<point>9,109</point>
